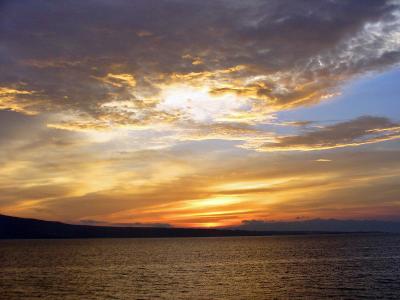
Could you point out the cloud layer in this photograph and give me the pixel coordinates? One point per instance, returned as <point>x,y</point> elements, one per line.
<point>361,131</point>
<point>109,64</point>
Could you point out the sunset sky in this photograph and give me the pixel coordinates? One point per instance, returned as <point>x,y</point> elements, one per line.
<point>199,113</point>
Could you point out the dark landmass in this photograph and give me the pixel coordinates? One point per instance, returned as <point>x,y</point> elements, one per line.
<point>325,225</point>
<point>20,228</point>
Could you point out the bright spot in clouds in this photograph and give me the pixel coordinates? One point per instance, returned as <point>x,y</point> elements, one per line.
<point>198,104</point>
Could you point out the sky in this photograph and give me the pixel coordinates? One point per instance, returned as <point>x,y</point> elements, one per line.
<point>199,113</point>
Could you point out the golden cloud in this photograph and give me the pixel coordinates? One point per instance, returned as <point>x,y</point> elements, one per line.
<point>11,99</point>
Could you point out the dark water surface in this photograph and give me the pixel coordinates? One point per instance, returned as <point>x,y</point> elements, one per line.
<point>284,267</point>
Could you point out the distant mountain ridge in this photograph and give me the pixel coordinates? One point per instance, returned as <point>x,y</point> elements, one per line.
<point>326,225</point>
<point>20,228</point>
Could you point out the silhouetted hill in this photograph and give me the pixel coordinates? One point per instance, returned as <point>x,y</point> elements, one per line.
<point>20,228</point>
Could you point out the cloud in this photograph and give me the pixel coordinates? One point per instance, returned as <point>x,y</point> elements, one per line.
<point>106,65</point>
<point>115,182</point>
<point>223,131</point>
<point>323,160</point>
<point>361,131</point>
<point>17,100</point>
<point>119,80</point>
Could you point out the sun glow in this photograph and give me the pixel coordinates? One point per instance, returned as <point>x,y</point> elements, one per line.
<point>198,104</point>
<point>251,185</point>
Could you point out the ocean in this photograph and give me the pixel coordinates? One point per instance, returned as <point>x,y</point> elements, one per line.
<point>348,266</point>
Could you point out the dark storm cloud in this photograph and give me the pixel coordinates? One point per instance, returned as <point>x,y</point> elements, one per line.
<point>55,53</point>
